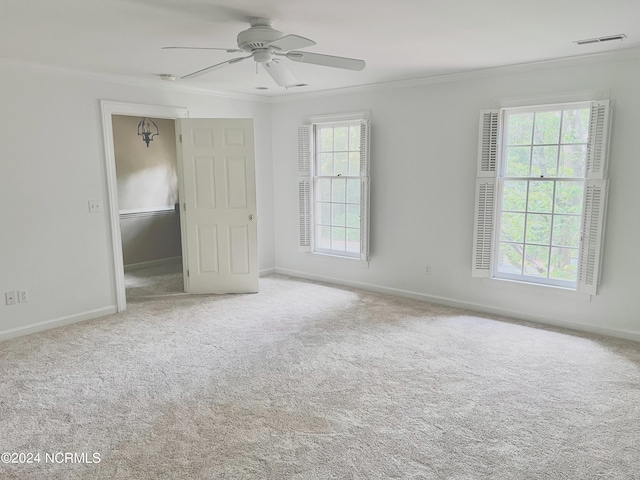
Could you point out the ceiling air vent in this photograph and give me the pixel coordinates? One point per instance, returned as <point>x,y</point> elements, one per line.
<point>587,41</point>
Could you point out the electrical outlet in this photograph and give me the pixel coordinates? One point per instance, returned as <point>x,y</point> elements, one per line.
<point>23,296</point>
<point>10,297</point>
<point>427,269</point>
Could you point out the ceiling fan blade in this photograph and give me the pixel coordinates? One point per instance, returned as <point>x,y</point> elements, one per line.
<point>216,66</point>
<point>228,50</point>
<point>291,42</point>
<point>327,60</point>
<point>280,73</point>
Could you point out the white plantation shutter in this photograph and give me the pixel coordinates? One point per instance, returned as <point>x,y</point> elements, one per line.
<point>304,186</point>
<point>485,193</point>
<point>364,190</point>
<point>591,241</point>
<point>598,140</point>
<point>483,226</point>
<point>595,199</point>
<point>488,143</point>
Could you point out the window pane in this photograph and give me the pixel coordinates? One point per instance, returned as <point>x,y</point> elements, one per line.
<point>353,240</point>
<point>569,197</point>
<point>512,226</point>
<point>515,195</point>
<point>540,197</point>
<point>324,189</point>
<point>338,189</point>
<point>341,139</point>
<point>564,264</point>
<point>338,238</point>
<point>337,214</point>
<point>323,237</point>
<point>538,228</point>
<point>547,127</point>
<point>519,129</point>
<point>337,199</point>
<point>573,159</point>
<point>354,138</point>
<point>324,213</point>
<point>325,142</point>
<point>353,190</point>
<point>575,126</point>
<point>510,258</point>
<point>518,160</point>
<point>326,164</point>
<point>544,162</point>
<point>353,216</point>
<point>341,163</point>
<point>354,164</point>
<point>566,231</point>
<point>540,217</point>
<point>536,260</point>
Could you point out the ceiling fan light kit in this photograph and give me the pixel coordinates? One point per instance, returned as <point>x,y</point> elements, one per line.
<point>264,43</point>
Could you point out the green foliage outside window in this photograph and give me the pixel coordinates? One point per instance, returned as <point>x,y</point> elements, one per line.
<point>542,193</point>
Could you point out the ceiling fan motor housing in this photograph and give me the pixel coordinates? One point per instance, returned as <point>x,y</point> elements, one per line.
<point>258,36</point>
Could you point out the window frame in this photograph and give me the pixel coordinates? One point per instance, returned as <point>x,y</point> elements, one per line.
<point>308,180</point>
<point>317,176</point>
<point>595,194</point>
<point>501,177</point>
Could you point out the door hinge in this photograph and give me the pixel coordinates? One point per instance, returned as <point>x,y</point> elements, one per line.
<point>180,138</point>
<point>188,273</point>
<point>184,207</point>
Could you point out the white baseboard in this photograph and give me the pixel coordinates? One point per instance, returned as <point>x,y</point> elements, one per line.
<point>152,263</point>
<point>267,271</point>
<point>611,332</point>
<point>56,322</point>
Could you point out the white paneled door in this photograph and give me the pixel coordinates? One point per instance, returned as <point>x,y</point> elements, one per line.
<point>218,205</point>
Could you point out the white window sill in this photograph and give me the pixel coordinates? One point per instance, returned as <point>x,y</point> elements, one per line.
<point>536,289</point>
<point>337,259</point>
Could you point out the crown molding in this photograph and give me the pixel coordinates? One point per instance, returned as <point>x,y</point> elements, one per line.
<point>564,62</point>
<point>124,80</point>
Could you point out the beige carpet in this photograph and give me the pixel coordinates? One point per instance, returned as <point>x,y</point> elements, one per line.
<point>310,381</point>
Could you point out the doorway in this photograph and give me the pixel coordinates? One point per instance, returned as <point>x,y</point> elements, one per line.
<point>217,190</point>
<point>109,109</point>
<point>147,176</point>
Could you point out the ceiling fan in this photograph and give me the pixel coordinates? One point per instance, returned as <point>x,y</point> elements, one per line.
<point>268,47</point>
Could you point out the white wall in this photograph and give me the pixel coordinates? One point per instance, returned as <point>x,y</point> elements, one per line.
<point>147,179</point>
<point>424,142</point>
<point>147,175</point>
<point>52,163</point>
<point>423,163</point>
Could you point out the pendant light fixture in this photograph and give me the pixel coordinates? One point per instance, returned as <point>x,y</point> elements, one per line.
<point>147,129</point>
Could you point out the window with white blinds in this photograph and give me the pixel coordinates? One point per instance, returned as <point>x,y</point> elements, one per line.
<point>541,194</point>
<point>333,188</point>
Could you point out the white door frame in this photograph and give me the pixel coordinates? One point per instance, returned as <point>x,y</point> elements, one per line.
<point>110,108</point>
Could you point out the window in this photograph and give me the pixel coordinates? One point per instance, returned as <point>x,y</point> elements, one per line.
<point>334,187</point>
<point>540,194</point>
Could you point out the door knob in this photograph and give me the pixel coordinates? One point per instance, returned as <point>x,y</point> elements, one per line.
<point>251,217</point>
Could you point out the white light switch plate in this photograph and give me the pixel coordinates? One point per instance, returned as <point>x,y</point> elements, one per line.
<point>95,206</point>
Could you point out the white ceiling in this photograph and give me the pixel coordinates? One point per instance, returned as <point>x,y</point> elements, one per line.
<point>399,39</point>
